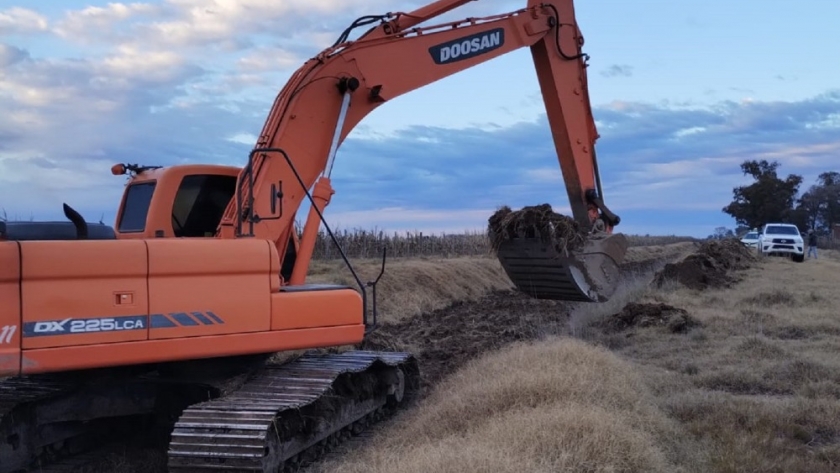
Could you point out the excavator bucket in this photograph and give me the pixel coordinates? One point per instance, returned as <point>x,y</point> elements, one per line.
<point>540,270</point>
<point>549,256</point>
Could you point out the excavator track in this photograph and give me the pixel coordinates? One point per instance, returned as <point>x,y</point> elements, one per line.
<point>287,416</point>
<point>50,423</point>
<point>44,419</point>
<point>24,442</point>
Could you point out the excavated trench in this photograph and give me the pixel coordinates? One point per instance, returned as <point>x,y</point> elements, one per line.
<point>445,339</point>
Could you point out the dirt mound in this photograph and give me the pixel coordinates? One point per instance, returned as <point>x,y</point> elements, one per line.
<point>711,266</point>
<point>637,314</point>
<point>538,221</point>
<point>445,339</point>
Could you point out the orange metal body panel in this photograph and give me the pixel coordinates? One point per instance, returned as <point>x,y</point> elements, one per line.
<point>92,283</point>
<point>209,287</point>
<point>154,351</point>
<point>311,309</point>
<point>190,299</point>
<point>9,309</point>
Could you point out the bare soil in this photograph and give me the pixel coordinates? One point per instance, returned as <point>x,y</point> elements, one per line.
<point>447,338</point>
<point>647,314</point>
<point>538,221</point>
<point>714,265</point>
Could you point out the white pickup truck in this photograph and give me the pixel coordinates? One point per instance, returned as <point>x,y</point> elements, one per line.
<point>781,239</point>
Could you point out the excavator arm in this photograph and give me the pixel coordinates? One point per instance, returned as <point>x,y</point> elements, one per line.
<point>331,93</point>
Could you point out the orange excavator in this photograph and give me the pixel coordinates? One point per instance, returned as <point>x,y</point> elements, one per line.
<point>176,311</point>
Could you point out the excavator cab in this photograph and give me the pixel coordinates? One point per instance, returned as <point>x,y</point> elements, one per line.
<point>184,201</point>
<point>174,202</point>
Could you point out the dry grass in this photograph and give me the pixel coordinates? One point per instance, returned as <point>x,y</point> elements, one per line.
<point>558,405</point>
<point>757,386</point>
<point>754,386</point>
<point>831,254</point>
<point>414,286</point>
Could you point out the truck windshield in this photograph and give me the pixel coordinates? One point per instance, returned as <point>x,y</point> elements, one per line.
<point>780,230</point>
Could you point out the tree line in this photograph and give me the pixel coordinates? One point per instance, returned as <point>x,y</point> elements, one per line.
<point>772,198</point>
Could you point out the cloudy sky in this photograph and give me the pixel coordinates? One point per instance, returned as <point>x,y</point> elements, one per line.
<point>683,93</point>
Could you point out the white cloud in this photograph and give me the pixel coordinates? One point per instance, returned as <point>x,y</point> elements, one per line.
<point>201,22</point>
<point>17,20</point>
<point>132,64</point>
<point>88,24</point>
<point>689,131</point>
<point>268,58</point>
<point>398,219</point>
<point>805,155</point>
<point>10,55</point>
<point>244,138</point>
<point>544,175</point>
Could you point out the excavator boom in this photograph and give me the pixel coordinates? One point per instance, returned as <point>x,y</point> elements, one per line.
<point>331,93</point>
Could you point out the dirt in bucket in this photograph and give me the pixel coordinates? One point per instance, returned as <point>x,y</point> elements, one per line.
<point>538,221</point>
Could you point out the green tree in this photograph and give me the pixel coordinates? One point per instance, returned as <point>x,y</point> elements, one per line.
<point>809,209</point>
<point>721,233</point>
<point>819,206</point>
<point>829,185</point>
<point>768,199</point>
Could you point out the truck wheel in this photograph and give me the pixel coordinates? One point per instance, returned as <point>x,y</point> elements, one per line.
<point>798,258</point>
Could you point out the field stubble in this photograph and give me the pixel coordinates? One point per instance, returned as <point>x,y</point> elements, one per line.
<point>665,377</point>
<point>756,383</point>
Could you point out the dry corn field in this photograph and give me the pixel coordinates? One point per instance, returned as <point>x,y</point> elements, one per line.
<point>360,243</point>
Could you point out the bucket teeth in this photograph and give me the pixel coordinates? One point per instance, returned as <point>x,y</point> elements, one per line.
<point>539,270</point>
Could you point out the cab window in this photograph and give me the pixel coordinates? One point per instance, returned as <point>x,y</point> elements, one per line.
<point>138,197</point>
<point>199,204</point>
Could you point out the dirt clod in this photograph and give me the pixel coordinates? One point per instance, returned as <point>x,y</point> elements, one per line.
<point>538,221</point>
<point>637,314</point>
<point>712,266</point>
